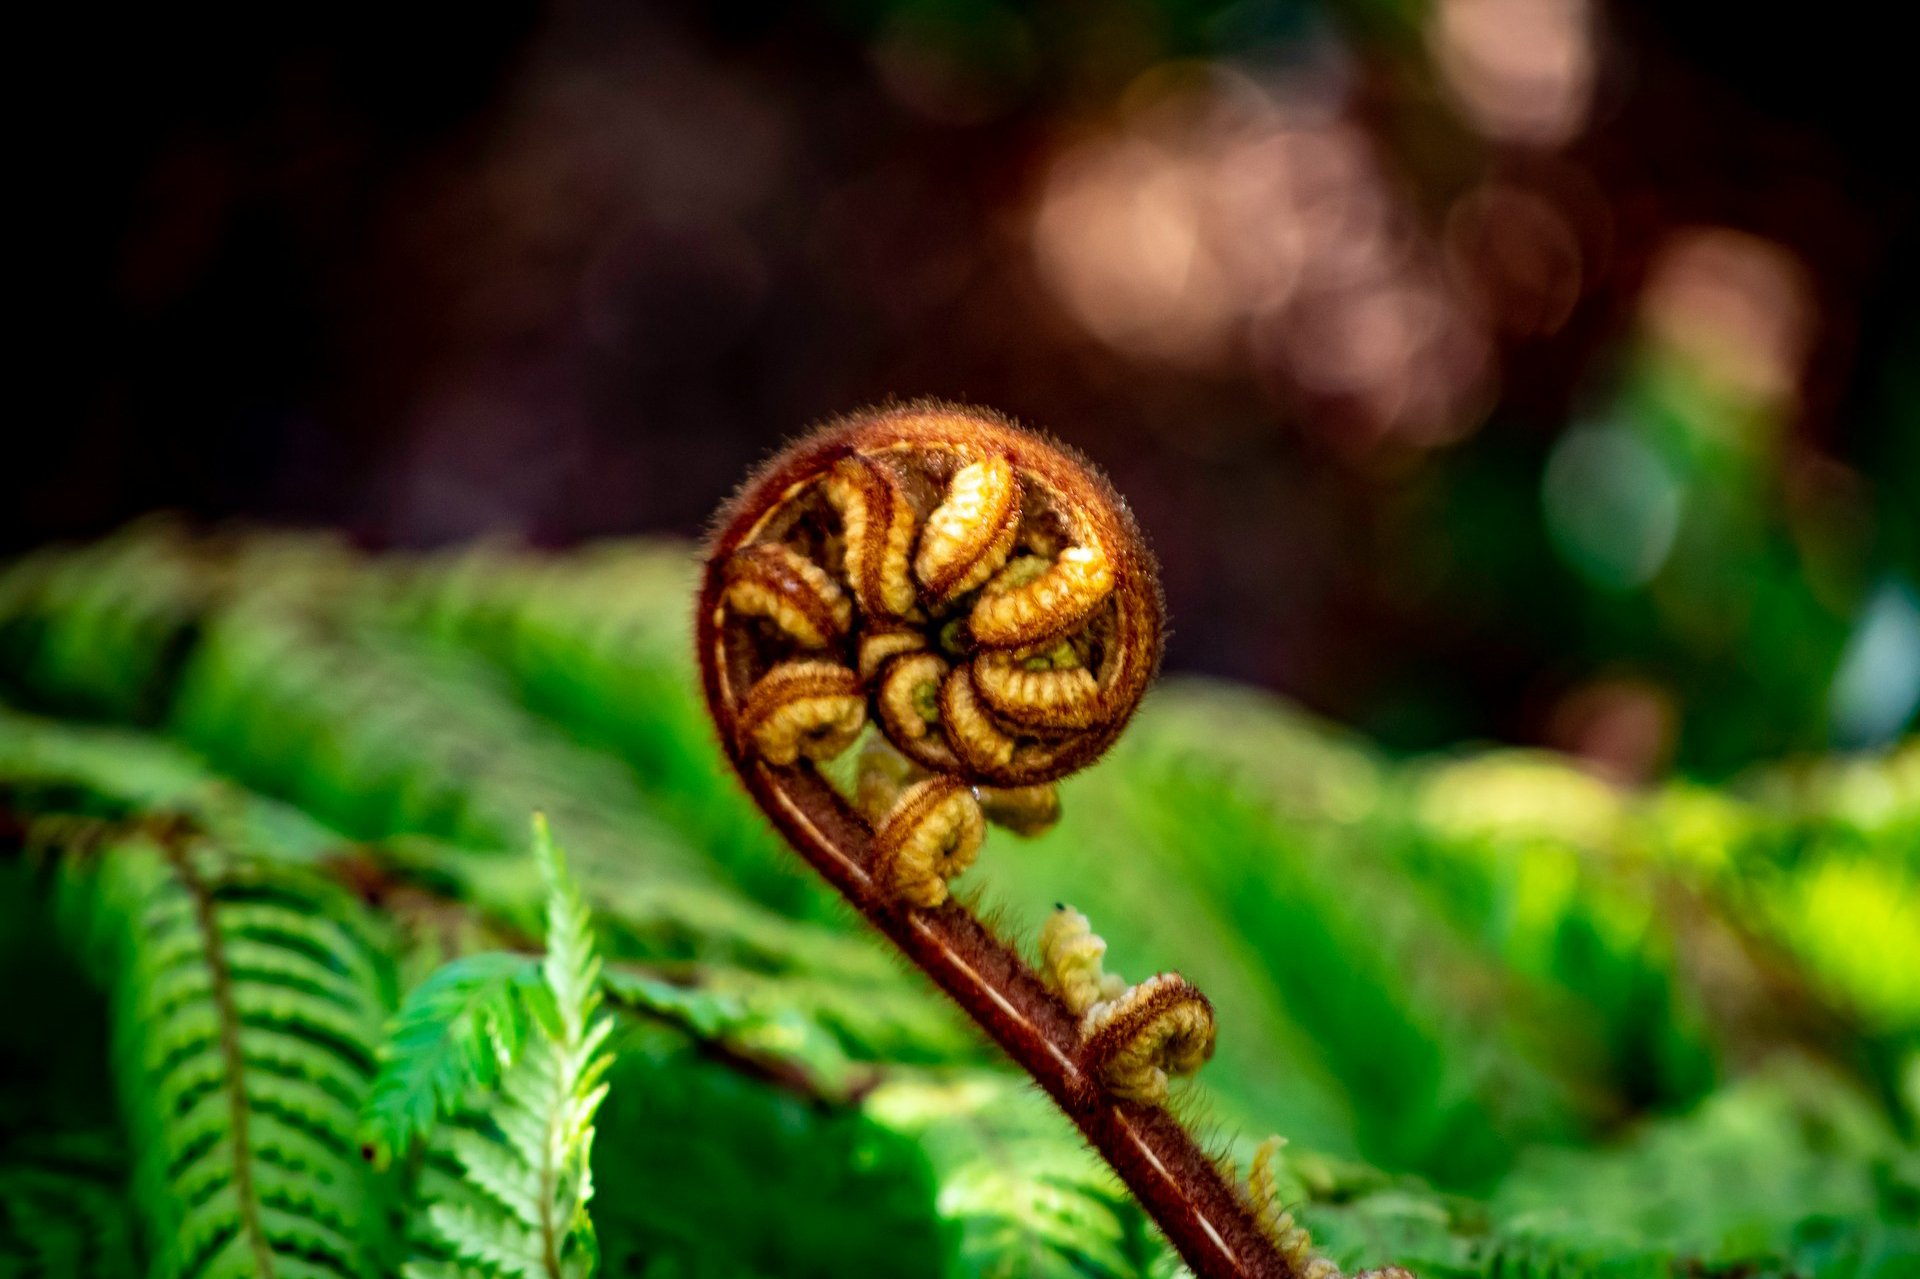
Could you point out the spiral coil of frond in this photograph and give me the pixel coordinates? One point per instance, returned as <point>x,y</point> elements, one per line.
<point>977,595</point>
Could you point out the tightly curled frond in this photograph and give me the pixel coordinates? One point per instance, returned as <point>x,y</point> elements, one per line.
<point>1133,1037</point>
<point>1046,604</point>
<point>802,708</point>
<point>1289,1235</point>
<point>791,591</point>
<point>971,533</point>
<point>1006,616</point>
<point>520,1206</point>
<point>929,836</point>
<point>1162,1027</point>
<point>877,527</point>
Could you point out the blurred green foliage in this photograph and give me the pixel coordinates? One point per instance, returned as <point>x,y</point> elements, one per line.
<point>1513,1019</point>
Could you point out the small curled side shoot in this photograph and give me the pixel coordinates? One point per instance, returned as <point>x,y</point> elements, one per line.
<point>1287,1234</point>
<point>1071,956</point>
<point>1157,1029</point>
<point>929,835</point>
<point>1133,1038</point>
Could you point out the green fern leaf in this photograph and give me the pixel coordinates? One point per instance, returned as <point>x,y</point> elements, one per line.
<point>246,1013</point>
<point>63,1215</point>
<point>455,1032</point>
<point>1027,1199</point>
<point>572,969</point>
<point>488,1241</point>
<point>524,1147</point>
<point>597,641</point>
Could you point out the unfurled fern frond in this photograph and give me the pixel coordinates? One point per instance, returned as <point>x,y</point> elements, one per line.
<point>1025,1197</point>
<point>383,735</point>
<point>516,1204</point>
<point>246,1010</point>
<point>50,769</point>
<point>455,1032</point>
<point>99,630</point>
<point>63,1212</point>
<point>598,641</point>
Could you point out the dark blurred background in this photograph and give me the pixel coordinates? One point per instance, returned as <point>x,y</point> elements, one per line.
<point>1537,370</point>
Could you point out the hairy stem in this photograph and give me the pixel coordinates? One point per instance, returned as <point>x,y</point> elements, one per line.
<point>1179,1185</point>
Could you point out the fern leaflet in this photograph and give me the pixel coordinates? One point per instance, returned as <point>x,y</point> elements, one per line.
<point>246,1006</point>
<point>456,1032</point>
<point>517,1205</point>
<point>63,1212</point>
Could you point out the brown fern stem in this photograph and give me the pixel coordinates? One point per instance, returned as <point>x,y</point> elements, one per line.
<point>1179,1185</point>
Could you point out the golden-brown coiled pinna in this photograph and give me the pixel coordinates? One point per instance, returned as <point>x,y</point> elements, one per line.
<point>1133,1037</point>
<point>976,593</point>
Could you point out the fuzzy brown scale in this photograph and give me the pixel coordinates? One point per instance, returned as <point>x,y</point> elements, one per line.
<point>965,545</point>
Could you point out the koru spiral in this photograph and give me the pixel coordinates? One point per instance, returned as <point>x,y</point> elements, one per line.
<point>975,592</point>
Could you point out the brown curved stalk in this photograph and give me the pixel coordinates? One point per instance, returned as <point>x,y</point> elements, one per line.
<point>954,533</point>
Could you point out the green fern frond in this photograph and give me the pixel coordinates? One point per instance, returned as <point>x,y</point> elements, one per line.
<point>523,1149</point>
<point>54,769</point>
<point>383,734</point>
<point>455,1032</point>
<point>597,641</point>
<point>246,1011</point>
<point>572,968</point>
<point>1025,1197</point>
<point>99,630</point>
<point>63,1213</point>
<point>1466,969</point>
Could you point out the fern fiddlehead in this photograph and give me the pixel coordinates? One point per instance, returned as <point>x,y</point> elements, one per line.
<point>983,599</point>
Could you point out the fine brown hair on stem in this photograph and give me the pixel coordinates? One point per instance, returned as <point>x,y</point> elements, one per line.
<point>978,604</point>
